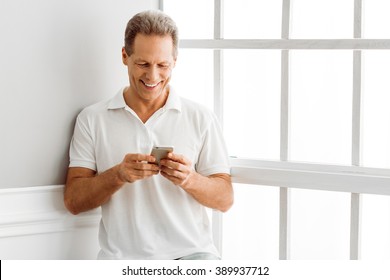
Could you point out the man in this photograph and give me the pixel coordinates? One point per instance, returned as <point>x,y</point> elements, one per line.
<point>149,211</point>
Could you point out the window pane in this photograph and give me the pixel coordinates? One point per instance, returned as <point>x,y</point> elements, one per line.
<point>193,76</point>
<point>376,19</point>
<point>376,113</point>
<point>252,19</point>
<point>195,20</point>
<point>251,226</point>
<point>375,239</point>
<point>326,19</point>
<point>319,225</point>
<point>321,106</point>
<point>252,103</point>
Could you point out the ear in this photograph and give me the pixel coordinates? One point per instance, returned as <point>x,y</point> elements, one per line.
<point>124,56</point>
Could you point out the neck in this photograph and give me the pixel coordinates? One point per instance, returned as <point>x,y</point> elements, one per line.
<point>144,108</point>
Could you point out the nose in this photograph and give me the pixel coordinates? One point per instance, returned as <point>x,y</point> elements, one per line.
<point>152,74</point>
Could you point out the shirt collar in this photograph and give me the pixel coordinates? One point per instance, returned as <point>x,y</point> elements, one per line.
<point>173,102</point>
<point>118,101</point>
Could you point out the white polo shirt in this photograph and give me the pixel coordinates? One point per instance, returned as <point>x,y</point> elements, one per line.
<point>151,218</point>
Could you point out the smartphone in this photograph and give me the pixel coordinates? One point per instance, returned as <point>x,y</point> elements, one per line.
<point>161,152</point>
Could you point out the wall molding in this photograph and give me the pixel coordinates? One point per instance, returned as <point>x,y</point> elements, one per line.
<point>39,210</point>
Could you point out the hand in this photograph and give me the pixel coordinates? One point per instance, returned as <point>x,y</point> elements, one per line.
<point>177,169</point>
<point>137,166</point>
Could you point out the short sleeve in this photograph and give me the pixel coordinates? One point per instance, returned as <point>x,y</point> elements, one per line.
<point>82,152</point>
<point>213,157</point>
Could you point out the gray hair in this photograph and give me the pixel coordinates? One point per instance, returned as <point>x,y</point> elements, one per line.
<point>152,22</point>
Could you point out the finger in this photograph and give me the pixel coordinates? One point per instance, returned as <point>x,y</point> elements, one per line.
<point>134,175</point>
<point>139,157</point>
<point>179,158</point>
<point>172,165</point>
<point>142,166</point>
<point>173,179</point>
<point>173,173</point>
<point>140,169</point>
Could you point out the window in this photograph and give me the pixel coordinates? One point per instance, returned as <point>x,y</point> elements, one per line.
<point>193,76</point>
<point>252,19</point>
<point>251,82</point>
<point>300,87</point>
<point>322,19</point>
<point>376,113</point>
<point>320,104</point>
<point>260,229</point>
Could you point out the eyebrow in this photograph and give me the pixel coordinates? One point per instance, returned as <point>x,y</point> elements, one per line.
<point>139,60</point>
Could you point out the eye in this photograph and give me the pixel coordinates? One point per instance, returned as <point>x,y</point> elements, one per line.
<point>143,64</point>
<point>163,66</point>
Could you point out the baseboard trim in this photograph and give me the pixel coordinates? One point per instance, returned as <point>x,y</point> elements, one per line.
<point>39,210</point>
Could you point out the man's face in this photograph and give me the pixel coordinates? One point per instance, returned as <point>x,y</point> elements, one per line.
<point>150,66</point>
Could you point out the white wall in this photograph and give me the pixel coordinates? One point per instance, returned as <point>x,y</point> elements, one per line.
<point>34,224</point>
<point>56,57</point>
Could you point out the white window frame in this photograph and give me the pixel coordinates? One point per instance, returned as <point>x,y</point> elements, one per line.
<point>352,179</point>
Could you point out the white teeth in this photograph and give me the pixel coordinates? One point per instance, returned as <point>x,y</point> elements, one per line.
<point>150,85</point>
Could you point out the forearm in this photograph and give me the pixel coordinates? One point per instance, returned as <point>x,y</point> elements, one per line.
<point>83,193</point>
<point>85,190</point>
<point>215,191</point>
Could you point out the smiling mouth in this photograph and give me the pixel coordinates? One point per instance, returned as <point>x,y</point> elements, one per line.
<point>150,85</point>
